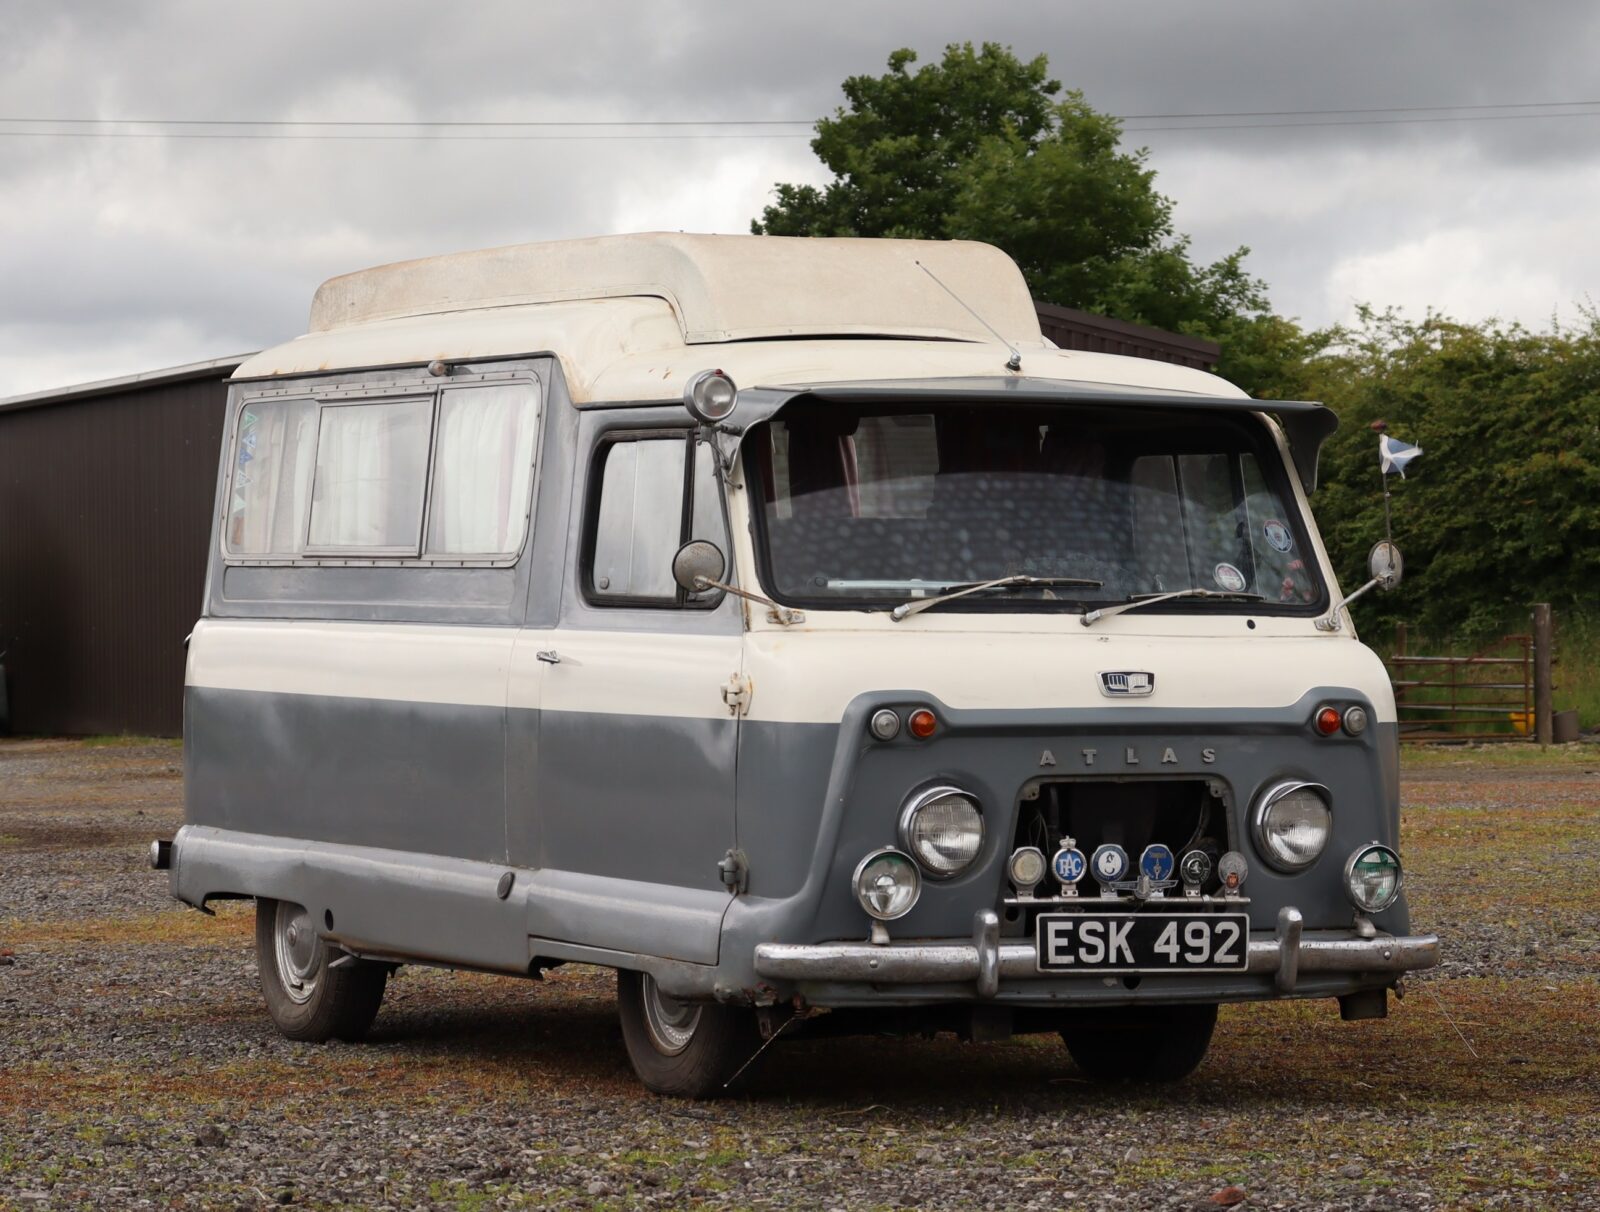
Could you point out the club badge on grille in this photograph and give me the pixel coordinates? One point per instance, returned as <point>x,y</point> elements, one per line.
<point>1127,685</point>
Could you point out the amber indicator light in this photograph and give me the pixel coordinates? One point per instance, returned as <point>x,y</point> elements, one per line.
<point>922,723</point>
<point>1329,721</point>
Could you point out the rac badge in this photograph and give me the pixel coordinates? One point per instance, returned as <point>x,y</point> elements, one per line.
<point>1127,685</point>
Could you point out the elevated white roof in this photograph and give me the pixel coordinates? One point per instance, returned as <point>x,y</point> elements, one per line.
<point>720,288</point>
<point>631,318</point>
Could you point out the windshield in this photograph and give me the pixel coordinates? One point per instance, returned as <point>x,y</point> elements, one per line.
<point>877,505</point>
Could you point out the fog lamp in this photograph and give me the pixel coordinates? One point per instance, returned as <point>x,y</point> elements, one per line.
<point>943,830</point>
<point>887,884</point>
<point>1291,824</point>
<point>1232,870</point>
<point>1026,869</point>
<point>1372,878</point>
<point>710,397</point>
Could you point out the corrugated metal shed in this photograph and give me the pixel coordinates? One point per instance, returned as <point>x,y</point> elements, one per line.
<point>106,493</point>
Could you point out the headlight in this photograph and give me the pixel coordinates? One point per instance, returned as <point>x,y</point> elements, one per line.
<point>887,884</point>
<point>1291,824</point>
<point>1372,878</point>
<point>943,830</point>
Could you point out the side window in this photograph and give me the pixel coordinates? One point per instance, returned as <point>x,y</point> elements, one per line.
<point>651,500</point>
<point>371,477</point>
<point>482,466</point>
<point>426,473</point>
<point>271,483</point>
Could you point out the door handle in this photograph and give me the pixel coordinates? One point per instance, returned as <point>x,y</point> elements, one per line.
<point>549,656</point>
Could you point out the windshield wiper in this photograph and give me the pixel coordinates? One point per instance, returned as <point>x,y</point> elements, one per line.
<point>906,609</point>
<point>1106,612</point>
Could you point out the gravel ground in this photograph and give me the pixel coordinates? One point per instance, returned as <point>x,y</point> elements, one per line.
<point>138,1069</point>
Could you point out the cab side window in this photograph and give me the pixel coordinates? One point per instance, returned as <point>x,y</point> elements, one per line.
<point>649,494</point>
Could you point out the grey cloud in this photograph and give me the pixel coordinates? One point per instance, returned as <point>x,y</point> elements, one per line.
<point>210,242</point>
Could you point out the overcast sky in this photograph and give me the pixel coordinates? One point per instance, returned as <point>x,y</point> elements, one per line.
<point>120,255</point>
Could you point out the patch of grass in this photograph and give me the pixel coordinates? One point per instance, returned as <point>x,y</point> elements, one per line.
<point>1475,759</point>
<point>1577,667</point>
<point>233,922</point>
<point>122,741</point>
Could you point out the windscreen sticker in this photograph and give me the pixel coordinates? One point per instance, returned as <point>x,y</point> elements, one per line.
<point>1228,577</point>
<point>1278,536</point>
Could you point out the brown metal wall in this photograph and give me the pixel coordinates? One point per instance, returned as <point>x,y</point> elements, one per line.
<point>105,518</point>
<point>1073,329</point>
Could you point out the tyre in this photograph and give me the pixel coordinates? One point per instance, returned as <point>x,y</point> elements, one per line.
<point>308,999</point>
<point>685,1049</point>
<point>1142,1044</point>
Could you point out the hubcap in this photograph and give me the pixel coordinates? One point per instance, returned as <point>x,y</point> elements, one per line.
<point>299,951</point>
<point>671,1023</point>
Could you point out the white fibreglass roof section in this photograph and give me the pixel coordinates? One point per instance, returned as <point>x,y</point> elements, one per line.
<point>629,350</point>
<point>630,318</point>
<point>720,288</point>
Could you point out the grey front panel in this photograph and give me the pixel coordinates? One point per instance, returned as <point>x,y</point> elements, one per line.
<point>813,800</point>
<point>422,777</point>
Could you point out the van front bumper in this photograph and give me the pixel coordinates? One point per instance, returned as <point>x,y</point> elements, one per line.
<point>989,966</point>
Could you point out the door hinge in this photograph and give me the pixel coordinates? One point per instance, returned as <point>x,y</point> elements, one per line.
<point>736,694</point>
<point>735,871</point>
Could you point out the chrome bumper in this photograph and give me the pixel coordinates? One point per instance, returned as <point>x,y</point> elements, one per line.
<point>987,961</point>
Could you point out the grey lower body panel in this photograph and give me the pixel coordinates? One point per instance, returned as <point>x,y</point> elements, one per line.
<point>434,909</point>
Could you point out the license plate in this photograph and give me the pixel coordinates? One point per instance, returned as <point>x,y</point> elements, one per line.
<point>1143,942</point>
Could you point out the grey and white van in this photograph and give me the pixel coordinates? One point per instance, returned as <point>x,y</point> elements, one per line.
<point>788,626</point>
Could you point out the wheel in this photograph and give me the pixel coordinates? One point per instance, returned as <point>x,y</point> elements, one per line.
<point>306,998</point>
<point>1142,1044</point>
<point>685,1049</point>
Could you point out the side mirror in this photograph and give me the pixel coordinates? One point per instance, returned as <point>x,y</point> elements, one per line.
<point>1385,565</point>
<point>697,565</point>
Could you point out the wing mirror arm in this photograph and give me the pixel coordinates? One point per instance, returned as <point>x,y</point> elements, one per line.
<point>1385,565</point>
<point>776,612</point>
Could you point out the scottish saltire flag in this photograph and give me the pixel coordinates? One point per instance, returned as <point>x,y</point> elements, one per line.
<point>1393,456</point>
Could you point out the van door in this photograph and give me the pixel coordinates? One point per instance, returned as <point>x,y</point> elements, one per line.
<point>633,789</point>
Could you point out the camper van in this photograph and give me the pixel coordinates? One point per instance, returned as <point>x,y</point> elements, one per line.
<point>788,626</point>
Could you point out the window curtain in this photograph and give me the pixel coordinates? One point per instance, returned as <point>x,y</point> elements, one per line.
<point>482,469</point>
<point>371,464</point>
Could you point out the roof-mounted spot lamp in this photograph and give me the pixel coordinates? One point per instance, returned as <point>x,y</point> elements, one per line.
<point>710,397</point>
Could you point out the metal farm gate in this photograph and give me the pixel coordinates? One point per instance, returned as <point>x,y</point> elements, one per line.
<point>1499,692</point>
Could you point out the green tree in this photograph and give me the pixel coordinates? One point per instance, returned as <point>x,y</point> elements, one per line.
<point>1503,509</point>
<point>982,146</point>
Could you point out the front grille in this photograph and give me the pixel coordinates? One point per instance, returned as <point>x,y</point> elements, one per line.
<point>1183,814</point>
